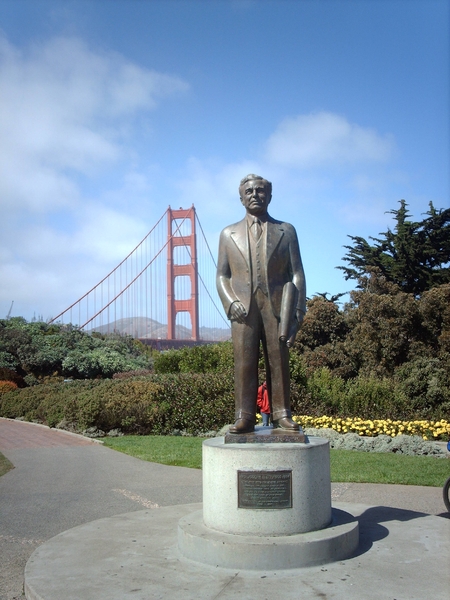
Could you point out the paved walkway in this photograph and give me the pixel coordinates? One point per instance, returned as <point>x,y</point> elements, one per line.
<point>17,434</point>
<point>62,480</point>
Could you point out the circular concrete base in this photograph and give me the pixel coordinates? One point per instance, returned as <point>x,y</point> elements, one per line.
<point>134,556</point>
<point>201,544</point>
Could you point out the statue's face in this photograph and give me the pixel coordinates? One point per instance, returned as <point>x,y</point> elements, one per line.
<point>255,197</point>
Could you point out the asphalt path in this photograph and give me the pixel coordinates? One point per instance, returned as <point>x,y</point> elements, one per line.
<point>61,480</point>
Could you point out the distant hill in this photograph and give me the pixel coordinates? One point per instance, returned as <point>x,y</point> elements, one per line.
<point>143,327</point>
<point>215,334</point>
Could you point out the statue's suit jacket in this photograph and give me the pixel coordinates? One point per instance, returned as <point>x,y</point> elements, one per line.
<point>283,264</point>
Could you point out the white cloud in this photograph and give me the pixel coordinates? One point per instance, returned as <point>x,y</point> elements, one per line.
<point>107,234</point>
<point>325,139</point>
<point>311,159</point>
<point>67,118</point>
<point>57,264</point>
<point>65,110</point>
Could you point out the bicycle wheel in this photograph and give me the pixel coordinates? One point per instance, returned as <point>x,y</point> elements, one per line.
<point>446,492</point>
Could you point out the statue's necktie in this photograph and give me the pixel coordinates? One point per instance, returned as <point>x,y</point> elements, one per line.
<point>256,228</point>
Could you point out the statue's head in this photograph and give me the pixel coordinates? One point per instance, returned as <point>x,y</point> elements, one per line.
<point>255,193</point>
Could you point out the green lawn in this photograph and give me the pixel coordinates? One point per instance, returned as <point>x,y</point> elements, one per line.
<point>346,465</point>
<point>167,450</point>
<point>376,467</point>
<point>5,465</point>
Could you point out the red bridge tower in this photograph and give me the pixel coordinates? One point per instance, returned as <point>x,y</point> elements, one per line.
<point>175,238</point>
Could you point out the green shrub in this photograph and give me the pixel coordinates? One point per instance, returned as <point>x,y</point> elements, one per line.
<point>326,391</point>
<point>40,349</point>
<point>197,359</point>
<point>31,380</point>
<point>199,402</point>
<point>23,403</point>
<point>167,361</point>
<point>8,361</point>
<point>426,383</point>
<point>372,397</point>
<point>157,404</point>
<point>135,373</point>
<point>100,362</point>
<point>297,369</point>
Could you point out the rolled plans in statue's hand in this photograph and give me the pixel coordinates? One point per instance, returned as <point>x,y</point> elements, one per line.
<point>288,322</point>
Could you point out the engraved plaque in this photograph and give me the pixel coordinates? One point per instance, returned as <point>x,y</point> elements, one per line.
<point>265,489</point>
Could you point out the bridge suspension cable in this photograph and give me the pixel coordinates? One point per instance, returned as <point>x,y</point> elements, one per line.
<point>132,297</point>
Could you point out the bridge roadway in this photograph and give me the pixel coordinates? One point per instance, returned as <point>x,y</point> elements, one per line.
<point>62,480</point>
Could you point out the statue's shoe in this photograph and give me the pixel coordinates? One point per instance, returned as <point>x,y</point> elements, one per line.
<point>286,423</point>
<point>242,426</point>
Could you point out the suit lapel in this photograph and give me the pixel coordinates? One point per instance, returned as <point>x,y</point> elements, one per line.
<point>275,232</point>
<point>240,238</point>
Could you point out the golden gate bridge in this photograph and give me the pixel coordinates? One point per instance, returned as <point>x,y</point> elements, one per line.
<point>163,292</point>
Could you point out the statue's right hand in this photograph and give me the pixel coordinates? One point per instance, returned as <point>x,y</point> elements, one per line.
<point>238,312</point>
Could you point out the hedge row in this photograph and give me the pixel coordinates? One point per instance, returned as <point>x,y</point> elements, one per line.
<point>157,404</point>
<point>372,397</point>
<point>200,402</point>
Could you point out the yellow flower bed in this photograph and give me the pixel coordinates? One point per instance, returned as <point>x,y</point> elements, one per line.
<point>428,430</point>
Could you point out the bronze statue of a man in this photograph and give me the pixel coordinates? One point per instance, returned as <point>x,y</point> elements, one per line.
<point>258,256</point>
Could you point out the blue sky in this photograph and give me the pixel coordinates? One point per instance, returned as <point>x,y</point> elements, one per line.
<point>112,110</point>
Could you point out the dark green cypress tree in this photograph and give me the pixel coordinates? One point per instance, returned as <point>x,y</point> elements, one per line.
<point>415,255</point>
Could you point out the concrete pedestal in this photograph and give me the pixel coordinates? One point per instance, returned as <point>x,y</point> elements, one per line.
<point>267,506</point>
<point>308,468</point>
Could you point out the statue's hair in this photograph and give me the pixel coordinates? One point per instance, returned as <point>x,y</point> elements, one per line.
<point>253,177</point>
